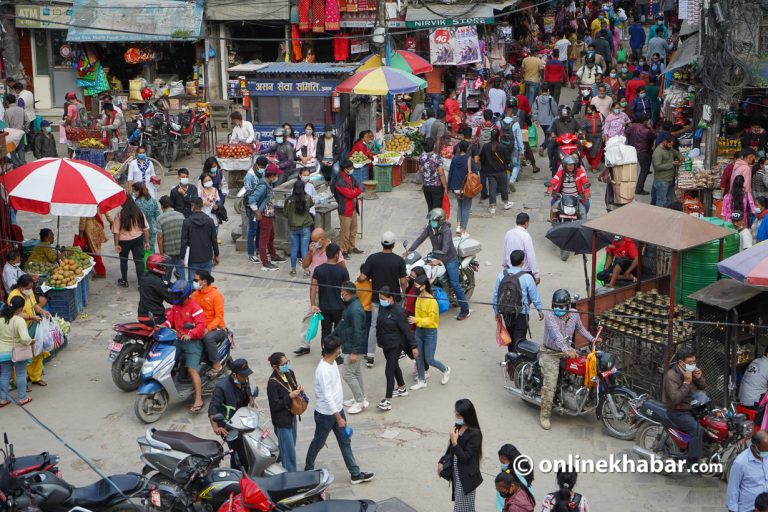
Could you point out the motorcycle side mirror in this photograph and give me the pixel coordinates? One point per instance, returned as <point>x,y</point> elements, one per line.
<point>576,298</point>
<point>405,244</point>
<point>231,436</point>
<point>189,325</point>
<point>218,418</point>
<point>255,391</point>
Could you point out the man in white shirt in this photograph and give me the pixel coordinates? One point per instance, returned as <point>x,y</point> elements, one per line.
<point>329,412</point>
<point>497,99</point>
<point>755,381</point>
<point>518,238</point>
<point>243,132</point>
<point>25,96</point>
<point>563,45</point>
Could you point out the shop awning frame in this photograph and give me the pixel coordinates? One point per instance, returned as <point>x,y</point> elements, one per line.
<point>135,21</point>
<point>227,10</point>
<point>454,15</point>
<point>687,53</point>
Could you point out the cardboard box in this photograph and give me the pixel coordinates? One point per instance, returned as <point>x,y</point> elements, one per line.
<point>624,192</point>
<point>626,172</point>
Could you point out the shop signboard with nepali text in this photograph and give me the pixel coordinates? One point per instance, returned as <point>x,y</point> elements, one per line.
<point>454,46</point>
<point>279,87</point>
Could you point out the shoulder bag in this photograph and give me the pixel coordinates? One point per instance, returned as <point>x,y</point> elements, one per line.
<point>298,404</point>
<point>447,463</point>
<point>21,353</point>
<point>471,185</point>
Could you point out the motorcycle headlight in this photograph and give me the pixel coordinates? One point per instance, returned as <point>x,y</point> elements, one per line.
<point>569,210</point>
<point>149,367</point>
<point>176,126</point>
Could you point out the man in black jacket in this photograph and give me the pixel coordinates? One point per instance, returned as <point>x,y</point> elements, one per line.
<point>153,291</point>
<point>198,238</point>
<point>393,335</point>
<point>354,344</point>
<point>229,395</point>
<point>329,160</point>
<point>183,193</point>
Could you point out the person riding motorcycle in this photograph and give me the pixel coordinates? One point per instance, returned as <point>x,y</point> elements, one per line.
<point>283,150</point>
<point>559,326</point>
<point>570,179</point>
<point>565,123</point>
<point>229,395</point>
<point>153,291</point>
<point>680,383</point>
<point>184,312</point>
<point>439,233</point>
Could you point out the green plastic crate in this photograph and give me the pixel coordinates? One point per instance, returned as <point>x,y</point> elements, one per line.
<point>383,175</point>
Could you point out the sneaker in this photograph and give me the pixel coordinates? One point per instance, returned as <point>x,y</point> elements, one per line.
<point>446,376</point>
<point>123,283</point>
<point>350,402</point>
<point>545,424</point>
<point>385,405</point>
<point>357,408</point>
<point>269,267</point>
<point>369,362</point>
<point>492,210</point>
<point>401,356</point>
<point>458,230</point>
<point>252,259</point>
<point>463,315</point>
<point>293,272</point>
<point>279,259</point>
<point>541,151</point>
<point>302,350</point>
<point>508,205</point>
<point>366,403</point>
<point>398,392</point>
<point>419,385</point>
<point>362,477</point>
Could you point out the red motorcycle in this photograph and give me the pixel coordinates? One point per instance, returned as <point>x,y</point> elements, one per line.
<point>127,352</point>
<point>184,133</point>
<point>725,433</point>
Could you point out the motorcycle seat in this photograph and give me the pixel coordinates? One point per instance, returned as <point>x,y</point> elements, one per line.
<point>102,491</point>
<point>341,506</point>
<point>28,463</point>
<point>656,411</point>
<point>528,348</point>
<point>187,443</point>
<point>285,485</point>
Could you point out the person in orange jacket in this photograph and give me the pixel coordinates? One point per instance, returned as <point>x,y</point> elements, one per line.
<point>211,300</point>
<point>570,179</point>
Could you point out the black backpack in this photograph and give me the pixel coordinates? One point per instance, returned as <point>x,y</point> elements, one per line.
<point>510,296</point>
<point>507,136</point>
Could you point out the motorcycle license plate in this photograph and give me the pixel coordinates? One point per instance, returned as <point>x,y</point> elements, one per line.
<point>114,350</point>
<point>568,217</point>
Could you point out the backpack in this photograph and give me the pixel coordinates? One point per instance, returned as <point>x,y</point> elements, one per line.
<point>510,296</point>
<point>485,134</point>
<point>507,137</point>
<point>83,119</point>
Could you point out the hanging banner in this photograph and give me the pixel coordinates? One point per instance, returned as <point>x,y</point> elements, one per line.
<point>454,46</point>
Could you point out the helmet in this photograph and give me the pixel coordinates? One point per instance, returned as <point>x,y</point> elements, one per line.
<point>560,299</point>
<point>512,102</point>
<point>590,59</point>
<point>180,292</point>
<point>699,399</point>
<point>565,110</point>
<point>156,263</point>
<point>569,160</point>
<point>279,132</point>
<point>436,214</point>
<point>146,93</point>
<point>659,17</point>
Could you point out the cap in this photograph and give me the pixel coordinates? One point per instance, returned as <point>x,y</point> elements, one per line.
<point>388,238</point>
<point>45,123</point>
<point>273,170</point>
<point>240,367</point>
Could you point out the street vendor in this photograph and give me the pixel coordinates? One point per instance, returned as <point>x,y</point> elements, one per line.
<point>622,259</point>
<point>242,133</point>
<point>44,252</point>
<point>365,144</point>
<point>754,384</point>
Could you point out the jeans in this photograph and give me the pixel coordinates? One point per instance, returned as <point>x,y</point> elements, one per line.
<point>372,330</point>
<point>434,196</point>
<point>434,102</point>
<point>426,342</point>
<point>194,267</point>
<point>352,373</point>
<point>484,182</point>
<point>515,167</point>
<point>136,248</point>
<point>554,90</point>
<point>665,192</point>
<point>6,368</point>
<point>324,424</point>
<point>286,441</point>
<point>392,370</point>
<point>299,244</point>
<point>253,234</point>
<point>497,182</point>
<point>531,91</point>
<point>688,424</point>
<point>452,269</point>
<point>267,239</point>
<point>210,342</point>
<point>644,159</point>
<point>464,206</point>
<point>174,263</point>
<point>553,153</point>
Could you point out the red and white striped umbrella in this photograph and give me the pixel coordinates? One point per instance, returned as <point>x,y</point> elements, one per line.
<point>62,187</point>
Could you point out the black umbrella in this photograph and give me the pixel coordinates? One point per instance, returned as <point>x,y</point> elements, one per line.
<point>574,237</point>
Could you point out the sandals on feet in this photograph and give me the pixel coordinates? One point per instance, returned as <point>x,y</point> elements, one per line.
<point>195,409</point>
<point>40,383</point>
<point>25,401</point>
<point>4,403</point>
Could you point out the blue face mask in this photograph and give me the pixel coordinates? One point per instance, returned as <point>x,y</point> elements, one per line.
<point>214,169</point>
<point>384,304</point>
<point>763,455</point>
<point>504,467</point>
<point>141,156</point>
<point>559,311</point>
<point>459,422</point>
<point>284,368</point>
<point>433,224</point>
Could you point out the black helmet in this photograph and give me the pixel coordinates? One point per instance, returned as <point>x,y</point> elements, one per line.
<point>561,299</point>
<point>590,59</point>
<point>512,102</point>
<point>180,292</point>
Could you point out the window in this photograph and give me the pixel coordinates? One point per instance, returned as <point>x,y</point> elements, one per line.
<point>267,110</point>
<point>763,40</point>
<point>41,53</point>
<point>296,111</point>
<point>63,54</point>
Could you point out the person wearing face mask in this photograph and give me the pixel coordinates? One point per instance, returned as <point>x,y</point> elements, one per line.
<point>453,114</point>
<point>306,147</point>
<point>602,101</point>
<point>113,122</point>
<point>329,153</point>
<point>282,388</point>
<point>290,137</point>
<point>149,208</point>
<point>508,454</point>
<point>311,191</point>
<point>229,395</point>
<point>210,299</point>
<point>665,161</point>
<point>615,123</point>
<point>743,167</point>
<point>659,29</point>
<point>251,182</point>
<point>32,313</point>
<point>211,199</point>
<point>641,105</point>
<point>464,453</point>
<point>636,38</point>
<point>394,336</point>
<point>283,150</point>
<point>347,191</point>
<point>296,209</point>
<point>142,170</point>
<point>514,489</point>
<point>242,131</point>
<point>354,343</point>
<point>614,82</point>
<point>560,324</point>
<point>44,145</point>
<point>183,193</point>
<point>680,382</point>
<point>586,74</point>
<point>641,136</point>
<point>264,211</point>
<point>212,168</point>
<point>12,270</point>
<point>747,481</point>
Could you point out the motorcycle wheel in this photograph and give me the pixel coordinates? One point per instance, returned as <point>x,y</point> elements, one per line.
<point>126,369</point>
<point>649,437</point>
<point>168,156</point>
<point>623,428</point>
<point>468,283</point>
<point>516,373</point>
<point>564,255</point>
<point>150,408</point>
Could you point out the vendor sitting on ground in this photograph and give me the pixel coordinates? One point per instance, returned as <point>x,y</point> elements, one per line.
<point>621,262</point>
<point>44,252</point>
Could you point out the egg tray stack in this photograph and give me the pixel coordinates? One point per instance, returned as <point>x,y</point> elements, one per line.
<point>646,316</point>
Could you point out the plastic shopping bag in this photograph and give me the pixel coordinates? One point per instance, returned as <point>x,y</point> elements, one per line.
<point>502,334</point>
<point>314,327</point>
<point>443,302</point>
<point>447,206</point>
<point>43,338</point>
<point>533,137</point>
<point>147,252</point>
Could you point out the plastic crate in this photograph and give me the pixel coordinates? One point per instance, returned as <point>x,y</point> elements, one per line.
<point>65,303</point>
<point>84,289</point>
<point>383,176</point>
<point>397,175</point>
<point>362,174</point>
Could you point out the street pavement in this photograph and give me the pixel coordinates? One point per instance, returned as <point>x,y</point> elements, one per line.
<point>401,446</point>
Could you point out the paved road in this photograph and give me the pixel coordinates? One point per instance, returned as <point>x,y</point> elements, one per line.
<point>401,446</point>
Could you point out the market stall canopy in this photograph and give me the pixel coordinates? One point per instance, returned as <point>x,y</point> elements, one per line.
<point>687,53</point>
<point>381,81</point>
<point>227,10</point>
<point>749,267</point>
<point>135,20</point>
<point>456,15</point>
<point>248,67</point>
<point>662,227</point>
<point>401,59</point>
<point>726,294</point>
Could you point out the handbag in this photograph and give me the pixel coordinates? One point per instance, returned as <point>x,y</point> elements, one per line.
<point>502,334</point>
<point>471,185</point>
<point>221,213</point>
<point>446,205</point>
<point>447,471</point>
<point>298,404</point>
<point>21,353</point>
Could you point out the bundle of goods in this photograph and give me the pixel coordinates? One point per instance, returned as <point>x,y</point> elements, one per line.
<point>80,135</point>
<point>234,151</point>
<point>359,159</point>
<point>91,143</point>
<point>646,316</point>
<point>139,55</point>
<point>388,158</point>
<point>39,268</point>
<point>728,147</point>
<point>446,151</point>
<point>399,143</point>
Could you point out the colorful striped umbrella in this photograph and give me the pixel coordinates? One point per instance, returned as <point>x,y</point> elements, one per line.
<point>401,59</point>
<point>381,81</point>
<point>748,267</point>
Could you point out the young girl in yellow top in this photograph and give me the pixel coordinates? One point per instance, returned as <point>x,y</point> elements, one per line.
<point>426,319</point>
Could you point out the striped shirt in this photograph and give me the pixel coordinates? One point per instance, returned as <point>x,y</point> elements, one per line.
<point>169,227</point>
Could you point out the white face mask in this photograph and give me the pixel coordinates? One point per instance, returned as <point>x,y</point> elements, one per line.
<point>184,181</point>
<point>208,184</point>
<point>305,179</point>
<point>28,293</point>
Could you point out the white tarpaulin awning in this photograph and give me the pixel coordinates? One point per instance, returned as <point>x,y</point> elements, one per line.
<point>227,10</point>
<point>687,53</point>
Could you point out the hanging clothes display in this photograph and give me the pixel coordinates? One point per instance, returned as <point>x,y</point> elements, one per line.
<point>318,15</point>
<point>303,15</point>
<point>332,16</point>
<point>341,47</point>
<point>296,42</point>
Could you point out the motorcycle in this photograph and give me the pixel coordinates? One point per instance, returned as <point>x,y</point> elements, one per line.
<point>252,497</point>
<point>184,133</point>
<point>567,208</point>
<point>164,379</point>
<point>725,433</point>
<point>573,396</point>
<point>163,450</point>
<point>15,468</point>
<point>467,250</point>
<point>127,353</point>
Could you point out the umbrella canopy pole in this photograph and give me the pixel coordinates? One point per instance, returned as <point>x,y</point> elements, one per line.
<point>586,275</point>
<point>639,282</point>
<point>671,318</point>
<point>594,275</point>
<point>721,253</point>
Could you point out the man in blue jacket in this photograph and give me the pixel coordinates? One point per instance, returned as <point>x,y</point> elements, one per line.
<point>636,39</point>
<point>354,345</point>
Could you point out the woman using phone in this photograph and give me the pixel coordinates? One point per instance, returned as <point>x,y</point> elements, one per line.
<point>282,388</point>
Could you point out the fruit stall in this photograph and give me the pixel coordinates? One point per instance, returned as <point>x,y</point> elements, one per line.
<point>67,284</point>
